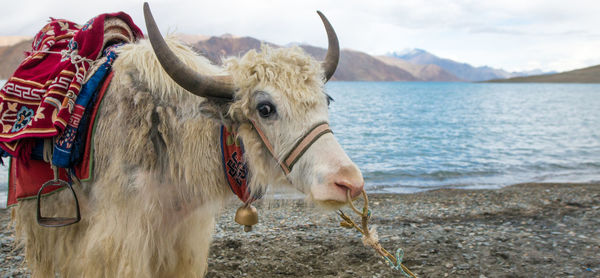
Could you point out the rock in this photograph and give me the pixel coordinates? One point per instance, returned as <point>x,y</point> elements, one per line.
<point>488,236</point>
<point>463,266</point>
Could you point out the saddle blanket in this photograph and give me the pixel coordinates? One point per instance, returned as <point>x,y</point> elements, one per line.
<point>26,177</point>
<point>38,100</point>
<point>54,95</point>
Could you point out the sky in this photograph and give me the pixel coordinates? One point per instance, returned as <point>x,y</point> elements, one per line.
<point>512,35</point>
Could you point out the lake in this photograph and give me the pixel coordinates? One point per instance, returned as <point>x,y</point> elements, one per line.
<point>409,136</point>
<point>414,136</point>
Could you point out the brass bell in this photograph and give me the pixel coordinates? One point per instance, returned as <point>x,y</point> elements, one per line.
<point>246,215</point>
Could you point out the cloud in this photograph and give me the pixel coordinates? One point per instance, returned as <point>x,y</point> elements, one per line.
<point>509,34</point>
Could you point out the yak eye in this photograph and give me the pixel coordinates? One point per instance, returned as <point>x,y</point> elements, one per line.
<point>265,109</point>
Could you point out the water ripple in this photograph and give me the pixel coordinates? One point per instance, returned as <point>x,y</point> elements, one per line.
<point>412,136</point>
<point>427,135</point>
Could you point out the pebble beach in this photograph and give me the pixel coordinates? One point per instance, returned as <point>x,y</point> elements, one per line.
<point>524,230</point>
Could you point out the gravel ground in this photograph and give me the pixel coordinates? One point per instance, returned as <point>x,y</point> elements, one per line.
<point>525,230</point>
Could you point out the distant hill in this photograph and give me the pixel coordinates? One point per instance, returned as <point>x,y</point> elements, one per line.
<point>11,57</point>
<point>353,65</point>
<point>585,75</point>
<point>422,72</point>
<point>415,65</point>
<point>215,48</point>
<point>190,38</point>
<point>12,40</point>
<point>461,70</point>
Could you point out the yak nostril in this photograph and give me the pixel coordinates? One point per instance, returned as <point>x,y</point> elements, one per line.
<point>343,186</point>
<point>354,190</point>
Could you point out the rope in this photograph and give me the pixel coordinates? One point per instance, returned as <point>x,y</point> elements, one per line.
<point>73,56</point>
<point>370,237</point>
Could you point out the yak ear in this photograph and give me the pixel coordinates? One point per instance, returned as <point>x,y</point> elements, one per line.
<point>216,110</point>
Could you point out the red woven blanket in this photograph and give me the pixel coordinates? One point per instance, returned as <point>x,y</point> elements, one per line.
<point>39,99</point>
<point>25,178</point>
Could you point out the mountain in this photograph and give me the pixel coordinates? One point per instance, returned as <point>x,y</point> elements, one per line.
<point>215,48</point>
<point>190,38</point>
<point>532,72</point>
<point>353,65</point>
<point>12,40</point>
<point>11,57</point>
<point>585,75</point>
<point>415,65</point>
<point>422,72</point>
<point>461,70</point>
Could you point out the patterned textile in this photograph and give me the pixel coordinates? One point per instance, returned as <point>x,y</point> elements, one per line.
<point>23,185</point>
<point>236,169</point>
<point>63,154</point>
<point>38,101</point>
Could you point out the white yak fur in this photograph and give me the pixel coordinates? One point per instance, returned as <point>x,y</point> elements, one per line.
<point>157,177</point>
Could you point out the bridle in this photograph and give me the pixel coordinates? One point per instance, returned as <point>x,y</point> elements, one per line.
<point>247,214</point>
<point>302,144</point>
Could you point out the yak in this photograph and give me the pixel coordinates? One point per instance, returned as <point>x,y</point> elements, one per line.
<point>158,179</point>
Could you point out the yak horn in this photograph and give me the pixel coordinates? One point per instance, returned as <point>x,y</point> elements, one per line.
<point>333,50</point>
<point>205,86</point>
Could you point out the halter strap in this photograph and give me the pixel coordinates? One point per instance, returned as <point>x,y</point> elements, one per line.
<point>299,148</point>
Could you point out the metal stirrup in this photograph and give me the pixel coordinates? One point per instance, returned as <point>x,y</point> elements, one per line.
<point>57,221</point>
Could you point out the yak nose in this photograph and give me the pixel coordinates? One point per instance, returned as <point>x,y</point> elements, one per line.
<point>350,179</point>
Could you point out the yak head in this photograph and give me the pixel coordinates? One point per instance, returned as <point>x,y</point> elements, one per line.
<point>276,102</point>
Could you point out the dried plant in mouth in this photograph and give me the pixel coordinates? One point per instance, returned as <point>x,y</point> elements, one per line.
<point>370,237</point>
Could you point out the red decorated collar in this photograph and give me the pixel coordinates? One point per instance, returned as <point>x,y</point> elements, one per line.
<point>234,165</point>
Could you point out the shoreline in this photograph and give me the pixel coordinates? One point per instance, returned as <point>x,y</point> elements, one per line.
<point>383,189</point>
<point>523,230</point>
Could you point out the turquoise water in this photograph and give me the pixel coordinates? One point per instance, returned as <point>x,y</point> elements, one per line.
<point>411,136</point>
